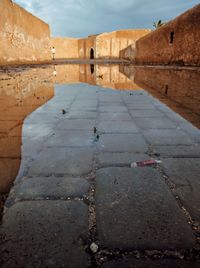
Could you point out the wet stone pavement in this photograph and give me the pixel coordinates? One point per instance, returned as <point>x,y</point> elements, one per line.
<point>74,189</point>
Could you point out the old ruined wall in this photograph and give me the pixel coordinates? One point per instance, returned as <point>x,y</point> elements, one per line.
<point>177,42</point>
<point>66,48</point>
<point>128,53</point>
<point>81,48</point>
<point>23,37</point>
<point>109,45</point>
<point>85,45</point>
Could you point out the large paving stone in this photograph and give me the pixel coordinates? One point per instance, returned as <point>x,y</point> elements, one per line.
<point>112,98</point>
<point>76,124</point>
<point>81,114</point>
<point>72,161</point>
<point>154,122</point>
<point>167,137</point>
<point>191,130</point>
<point>140,105</point>
<point>185,174</point>
<point>111,159</point>
<point>31,146</point>
<point>122,143</point>
<point>146,113</point>
<point>177,151</point>
<point>136,210</point>
<point>44,117</point>
<point>74,138</point>
<point>45,234</point>
<point>83,108</point>
<point>118,127</point>
<point>37,130</point>
<point>51,187</point>
<point>110,108</point>
<point>114,116</point>
<point>148,263</point>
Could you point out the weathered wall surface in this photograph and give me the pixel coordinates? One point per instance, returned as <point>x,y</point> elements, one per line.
<point>128,53</point>
<point>23,37</point>
<point>109,45</point>
<point>177,42</point>
<point>85,45</point>
<point>66,48</point>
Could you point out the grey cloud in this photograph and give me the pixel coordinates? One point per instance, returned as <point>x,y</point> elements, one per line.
<point>79,18</point>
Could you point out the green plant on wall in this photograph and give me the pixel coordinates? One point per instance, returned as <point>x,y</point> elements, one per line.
<point>158,24</point>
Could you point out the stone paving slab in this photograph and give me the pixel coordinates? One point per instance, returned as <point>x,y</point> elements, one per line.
<point>146,113</point>
<point>122,143</point>
<point>112,159</point>
<point>178,151</point>
<point>71,161</point>
<point>118,127</point>
<point>114,116</point>
<point>37,130</point>
<point>136,210</point>
<point>63,138</point>
<point>84,108</point>
<point>191,130</point>
<point>113,109</point>
<point>31,146</point>
<point>51,187</point>
<point>109,98</point>
<point>45,234</point>
<point>81,114</point>
<point>76,124</point>
<point>111,103</point>
<point>149,263</point>
<point>185,173</point>
<point>167,137</point>
<point>44,117</point>
<point>140,105</point>
<point>154,122</point>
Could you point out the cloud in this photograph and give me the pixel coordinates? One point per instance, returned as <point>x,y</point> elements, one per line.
<point>79,18</point>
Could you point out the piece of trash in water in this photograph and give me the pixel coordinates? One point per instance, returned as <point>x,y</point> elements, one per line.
<point>63,111</point>
<point>145,163</point>
<point>94,247</point>
<point>95,130</point>
<point>96,137</point>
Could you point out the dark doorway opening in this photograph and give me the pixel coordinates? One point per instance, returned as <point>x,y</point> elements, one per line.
<point>91,53</point>
<point>171,37</point>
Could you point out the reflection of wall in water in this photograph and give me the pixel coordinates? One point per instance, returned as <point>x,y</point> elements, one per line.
<point>102,75</point>
<point>20,94</point>
<point>179,89</point>
<point>67,74</point>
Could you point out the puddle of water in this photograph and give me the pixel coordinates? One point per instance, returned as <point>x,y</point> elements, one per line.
<point>22,91</point>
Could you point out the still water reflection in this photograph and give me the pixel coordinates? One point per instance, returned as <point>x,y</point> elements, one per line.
<point>24,90</point>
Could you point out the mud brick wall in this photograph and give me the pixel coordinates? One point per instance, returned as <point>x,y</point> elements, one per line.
<point>109,45</point>
<point>23,37</point>
<point>177,42</point>
<point>66,48</point>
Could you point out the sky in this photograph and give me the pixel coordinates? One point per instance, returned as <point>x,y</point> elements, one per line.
<point>80,18</point>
